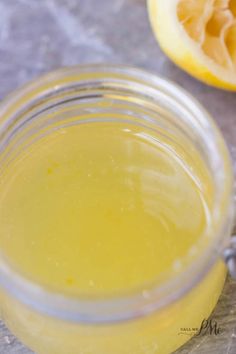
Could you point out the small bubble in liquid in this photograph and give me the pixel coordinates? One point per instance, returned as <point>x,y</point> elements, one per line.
<point>177,265</point>
<point>146,294</point>
<point>91,283</point>
<point>70,281</point>
<point>149,348</point>
<point>192,251</point>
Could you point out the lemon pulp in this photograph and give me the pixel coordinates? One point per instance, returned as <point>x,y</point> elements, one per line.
<point>99,209</point>
<point>212,24</point>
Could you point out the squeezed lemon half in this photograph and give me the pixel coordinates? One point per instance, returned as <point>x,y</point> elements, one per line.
<point>199,36</point>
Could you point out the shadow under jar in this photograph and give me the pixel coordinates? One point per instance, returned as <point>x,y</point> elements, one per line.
<point>116,207</point>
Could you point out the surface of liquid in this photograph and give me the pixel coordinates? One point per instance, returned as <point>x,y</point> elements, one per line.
<point>99,209</point>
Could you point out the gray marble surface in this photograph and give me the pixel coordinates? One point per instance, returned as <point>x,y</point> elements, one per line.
<point>37,36</point>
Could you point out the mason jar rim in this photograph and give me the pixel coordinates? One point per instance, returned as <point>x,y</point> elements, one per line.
<point>126,307</point>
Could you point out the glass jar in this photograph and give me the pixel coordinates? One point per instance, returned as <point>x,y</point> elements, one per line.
<point>134,323</point>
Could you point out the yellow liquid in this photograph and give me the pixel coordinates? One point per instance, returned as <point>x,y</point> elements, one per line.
<point>100,210</point>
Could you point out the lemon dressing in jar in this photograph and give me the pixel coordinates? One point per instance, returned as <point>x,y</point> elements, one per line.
<point>115,209</point>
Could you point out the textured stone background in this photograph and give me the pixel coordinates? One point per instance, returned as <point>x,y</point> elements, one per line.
<point>37,36</point>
